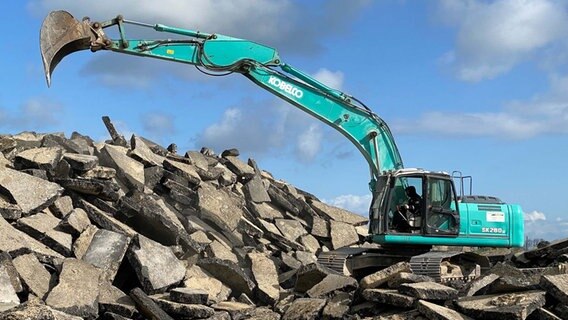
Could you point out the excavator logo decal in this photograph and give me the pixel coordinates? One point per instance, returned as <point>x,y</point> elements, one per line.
<point>286,87</point>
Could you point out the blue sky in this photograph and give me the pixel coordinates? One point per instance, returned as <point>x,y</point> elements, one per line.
<point>475,86</point>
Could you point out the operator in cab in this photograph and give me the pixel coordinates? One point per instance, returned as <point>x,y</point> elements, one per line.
<point>408,212</point>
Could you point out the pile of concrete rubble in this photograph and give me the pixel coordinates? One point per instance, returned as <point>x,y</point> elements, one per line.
<point>132,230</point>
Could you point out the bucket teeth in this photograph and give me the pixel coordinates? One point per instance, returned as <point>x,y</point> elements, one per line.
<point>61,34</point>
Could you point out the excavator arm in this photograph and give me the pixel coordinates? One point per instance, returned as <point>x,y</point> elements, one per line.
<point>215,54</point>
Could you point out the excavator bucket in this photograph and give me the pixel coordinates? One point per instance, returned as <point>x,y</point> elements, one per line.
<point>61,35</point>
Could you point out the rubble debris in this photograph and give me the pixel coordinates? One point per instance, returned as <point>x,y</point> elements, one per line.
<point>129,231</point>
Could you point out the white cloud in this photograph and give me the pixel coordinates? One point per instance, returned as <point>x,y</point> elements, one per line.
<point>33,114</point>
<point>534,216</point>
<point>355,203</point>
<point>262,127</point>
<point>495,36</point>
<point>158,124</point>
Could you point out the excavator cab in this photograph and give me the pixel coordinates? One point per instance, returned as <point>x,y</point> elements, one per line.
<point>414,202</point>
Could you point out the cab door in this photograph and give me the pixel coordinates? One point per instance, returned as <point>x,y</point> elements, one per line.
<point>442,214</point>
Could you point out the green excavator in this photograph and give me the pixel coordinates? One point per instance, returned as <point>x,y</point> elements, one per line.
<point>412,211</point>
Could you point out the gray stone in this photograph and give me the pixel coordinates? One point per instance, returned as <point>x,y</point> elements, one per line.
<point>342,234</point>
<point>304,309</point>
<point>240,168</point>
<point>287,280</point>
<point>75,222</point>
<point>436,312</point>
<point>229,273</point>
<point>338,214</point>
<point>390,297</point>
<point>184,170</point>
<point>289,262</point>
<point>320,228</point>
<point>147,307</point>
<point>380,277</point>
<point>100,172</point>
<point>502,306</point>
<point>246,227</point>
<point>150,259</point>
<point>8,296</point>
<point>189,296</point>
<point>200,237</point>
<point>428,291</point>
<point>42,227</point>
<point>227,177</point>
<point>129,171</point>
<point>305,257</point>
<point>62,207</point>
<point>81,162</point>
<point>332,283</point>
<point>262,313</point>
<point>112,299</point>
<point>198,159</point>
<point>284,200</point>
<point>81,245</point>
<point>31,194</point>
<point>71,146</point>
<point>142,152</point>
<point>77,291</point>
<point>265,211</point>
<point>556,286</point>
<point>106,251</point>
<point>219,207</point>
<point>310,243</point>
<point>181,310</point>
<point>12,240</point>
<point>39,158</point>
<point>290,229</point>
<point>9,211</point>
<point>105,220</point>
<point>406,277</point>
<point>310,275</point>
<point>198,279</point>
<point>235,309</point>
<point>35,309</point>
<point>255,191</point>
<point>8,265</point>
<point>218,250</point>
<point>265,275</point>
<point>480,285</point>
<point>337,307</point>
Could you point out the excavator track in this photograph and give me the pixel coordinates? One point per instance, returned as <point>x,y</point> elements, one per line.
<point>442,266</point>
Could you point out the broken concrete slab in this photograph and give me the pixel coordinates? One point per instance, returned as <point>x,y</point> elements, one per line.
<point>149,259</point>
<point>428,291</point>
<point>100,172</point>
<point>304,309</point>
<point>320,228</point>
<point>332,283</point>
<point>103,189</point>
<point>255,191</point>
<point>219,207</point>
<point>189,296</point>
<point>111,299</point>
<point>75,222</point>
<point>198,279</point>
<point>406,277</point>
<point>378,278</point>
<point>291,229</point>
<point>184,170</point>
<point>81,245</point>
<point>289,262</point>
<point>390,297</point>
<point>502,306</point>
<point>106,251</point>
<point>147,307</point>
<point>181,310</point>
<point>9,211</point>
<point>265,275</point>
<point>234,309</point>
<point>8,296</point>
<point>434,311</point>
<point>142,152</point>
<point>42,227</point>
<point>342,234</point>
<point>35,309</point>
<point>310,243</point>
<point>283,200</point>
<point>129,171</point>
<point>14,240</point>
<point>77,291</point>
<point>338,214</point>
<point>337,307</point>
<point>31,194</point>
<point>310,275</point>
<point>239,167</point>
<point>229,273</point>
<point>81,162</point>
<point>556,285</point>
<point>305,257</point>
<point>264,210</point>
<point>480,286</point>
<point>199,160</point>
<point>106,220</point>
<point>220,251</point>
<point>8,265</point>
<point>38,158</point>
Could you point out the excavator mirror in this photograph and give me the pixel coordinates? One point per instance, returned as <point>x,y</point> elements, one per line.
<point>61,34</point>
